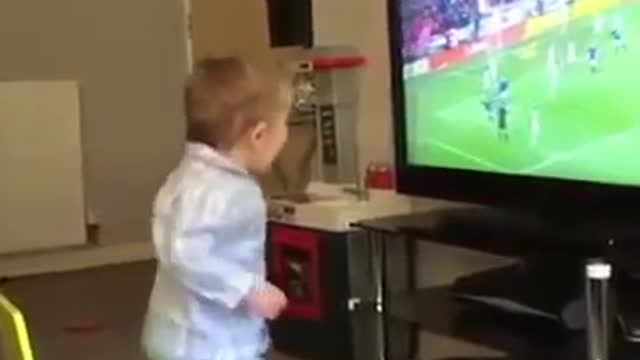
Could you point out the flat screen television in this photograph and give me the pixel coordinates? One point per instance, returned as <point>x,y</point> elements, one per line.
<point>518,103</point>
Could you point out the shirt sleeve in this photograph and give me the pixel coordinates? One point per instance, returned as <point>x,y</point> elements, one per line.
<point>202,222</point>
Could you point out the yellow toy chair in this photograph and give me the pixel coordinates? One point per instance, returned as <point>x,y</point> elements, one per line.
<point>13,332</point>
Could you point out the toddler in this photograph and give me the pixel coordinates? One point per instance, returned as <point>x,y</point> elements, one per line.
<point>210,298</point>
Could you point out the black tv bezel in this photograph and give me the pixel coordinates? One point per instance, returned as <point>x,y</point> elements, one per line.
<point>528,193</point>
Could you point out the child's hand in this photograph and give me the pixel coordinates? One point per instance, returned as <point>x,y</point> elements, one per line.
<point>267,301</point>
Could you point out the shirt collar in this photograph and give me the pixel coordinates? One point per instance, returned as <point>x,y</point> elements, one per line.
<point>211,157</point>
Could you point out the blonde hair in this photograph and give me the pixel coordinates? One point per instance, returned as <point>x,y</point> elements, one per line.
<point>224,97</point>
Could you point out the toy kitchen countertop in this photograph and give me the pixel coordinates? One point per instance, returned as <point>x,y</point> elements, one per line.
<point>335,208</point>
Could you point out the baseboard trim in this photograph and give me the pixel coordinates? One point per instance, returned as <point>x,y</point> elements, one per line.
<point>72,259</point>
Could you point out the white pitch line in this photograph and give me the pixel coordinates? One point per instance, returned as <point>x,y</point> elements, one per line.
<point>581,149</point>
<point>467,156</point>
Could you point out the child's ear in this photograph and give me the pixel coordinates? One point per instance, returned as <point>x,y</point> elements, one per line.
<point>258,131</point>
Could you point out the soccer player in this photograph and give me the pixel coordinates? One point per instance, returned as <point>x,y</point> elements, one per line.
<point>489,75</point>
<point>502,113</point>
<point>565,11</point>
<point>493,68</point>
<point>617,22</point>
<point>489,100</point>
<point>501,107</point>
<point>487,104</point>
<point>618,40</point>
<point>598,25</point>
<point>571,53</point>
<point>552,67</point>
<point>535,126</point>
<point>554,75</point>
<point>617,34</point>
<point>592,57</point>
<point>503,88</point>
<point>551,56</point>
<point>487,80</point>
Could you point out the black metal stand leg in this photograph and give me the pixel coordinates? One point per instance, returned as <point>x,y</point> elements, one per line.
<point>412,254</point>
<point>376,243</point>
<point>411,249</point>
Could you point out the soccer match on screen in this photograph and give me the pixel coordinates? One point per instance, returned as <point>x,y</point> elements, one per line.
<point>531,87</point>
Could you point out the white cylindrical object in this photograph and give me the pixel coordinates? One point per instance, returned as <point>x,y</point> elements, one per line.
<point>598,275</point>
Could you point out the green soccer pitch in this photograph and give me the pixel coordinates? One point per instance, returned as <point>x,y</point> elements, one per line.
<point>589,123</point>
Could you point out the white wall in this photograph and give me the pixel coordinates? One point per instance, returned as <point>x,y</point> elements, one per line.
<point>128,58</point>
<point>237,27</point>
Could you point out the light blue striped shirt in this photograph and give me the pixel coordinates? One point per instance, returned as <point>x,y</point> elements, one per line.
<point>209,234</point>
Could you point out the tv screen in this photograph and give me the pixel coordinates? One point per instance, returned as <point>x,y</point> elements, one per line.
<point>534,89</point>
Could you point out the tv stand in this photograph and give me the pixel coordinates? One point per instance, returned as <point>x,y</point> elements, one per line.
<point>545,224</point>
<point>548,290</point>
<point>551,253</point>
<point>507,233</point>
